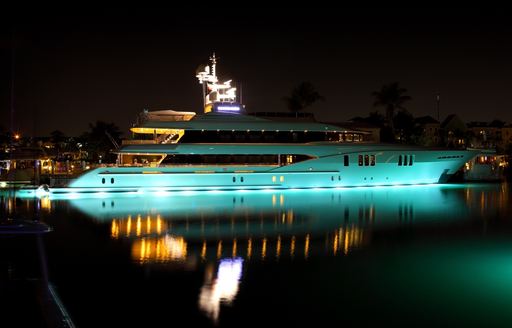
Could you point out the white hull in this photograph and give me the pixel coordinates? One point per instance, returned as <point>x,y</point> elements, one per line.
<point>323,172</point>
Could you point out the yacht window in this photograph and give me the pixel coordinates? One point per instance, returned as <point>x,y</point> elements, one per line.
<point>103,180</point>
<point>400,160</point>
<point>345,160</point>
<point>239,159</point>
<point>411,160</point>
<point>366,160</point>
<point>405,160</point>
<point>360,160</point>
<point>372,160</point>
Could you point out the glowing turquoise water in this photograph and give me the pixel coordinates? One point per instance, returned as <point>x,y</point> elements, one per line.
<point>403,256</point>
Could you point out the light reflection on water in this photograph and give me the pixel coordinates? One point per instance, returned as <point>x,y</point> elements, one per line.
<point>256,225</point>
<point>259,225</point>
<point>220,288</point>
<point>222,233</point>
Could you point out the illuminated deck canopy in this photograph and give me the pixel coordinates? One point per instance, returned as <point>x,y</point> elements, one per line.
<point>226,122</point>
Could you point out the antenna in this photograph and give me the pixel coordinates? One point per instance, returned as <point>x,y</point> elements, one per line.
<point>215,91</point>
<point>438,96</point>
<point>214,64</point>
<point>13,58</point>
<point>241,94</point>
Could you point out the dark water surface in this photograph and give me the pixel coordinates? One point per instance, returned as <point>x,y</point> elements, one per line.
<point>402,256</point>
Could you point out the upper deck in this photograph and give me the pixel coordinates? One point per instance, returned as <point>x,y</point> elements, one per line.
<point>238,128</point>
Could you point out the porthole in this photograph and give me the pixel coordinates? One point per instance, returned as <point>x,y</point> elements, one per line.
<point>234,179</point>
<point>103,180</point>
<point>242,179</point>
<point>112,180</point>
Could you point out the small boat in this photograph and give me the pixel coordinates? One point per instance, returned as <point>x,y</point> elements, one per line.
<point>18,226</point>
<point>485,167</point>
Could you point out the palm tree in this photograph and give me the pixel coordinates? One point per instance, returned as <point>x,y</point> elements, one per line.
<point>392,97</point>
<point>303,95</point>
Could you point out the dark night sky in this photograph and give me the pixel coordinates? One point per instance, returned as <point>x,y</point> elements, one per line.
<point>78,68</point>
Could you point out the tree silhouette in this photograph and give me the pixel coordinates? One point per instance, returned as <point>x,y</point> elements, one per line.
<point>303,95</point>
<point>97,142</point>
<point>497,123</point>
<point>58,138</point>
<point>392,97</point>
<point>375,118</point>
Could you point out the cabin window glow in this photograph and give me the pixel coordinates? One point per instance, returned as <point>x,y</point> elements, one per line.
<point>231,160</point>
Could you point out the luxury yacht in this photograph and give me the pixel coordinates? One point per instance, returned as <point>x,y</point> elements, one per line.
<point>226,149</point>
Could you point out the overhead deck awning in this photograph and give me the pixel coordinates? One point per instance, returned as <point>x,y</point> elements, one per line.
<point>217,122</point>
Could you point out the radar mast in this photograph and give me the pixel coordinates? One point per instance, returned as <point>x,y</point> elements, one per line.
<point>217,96</point>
